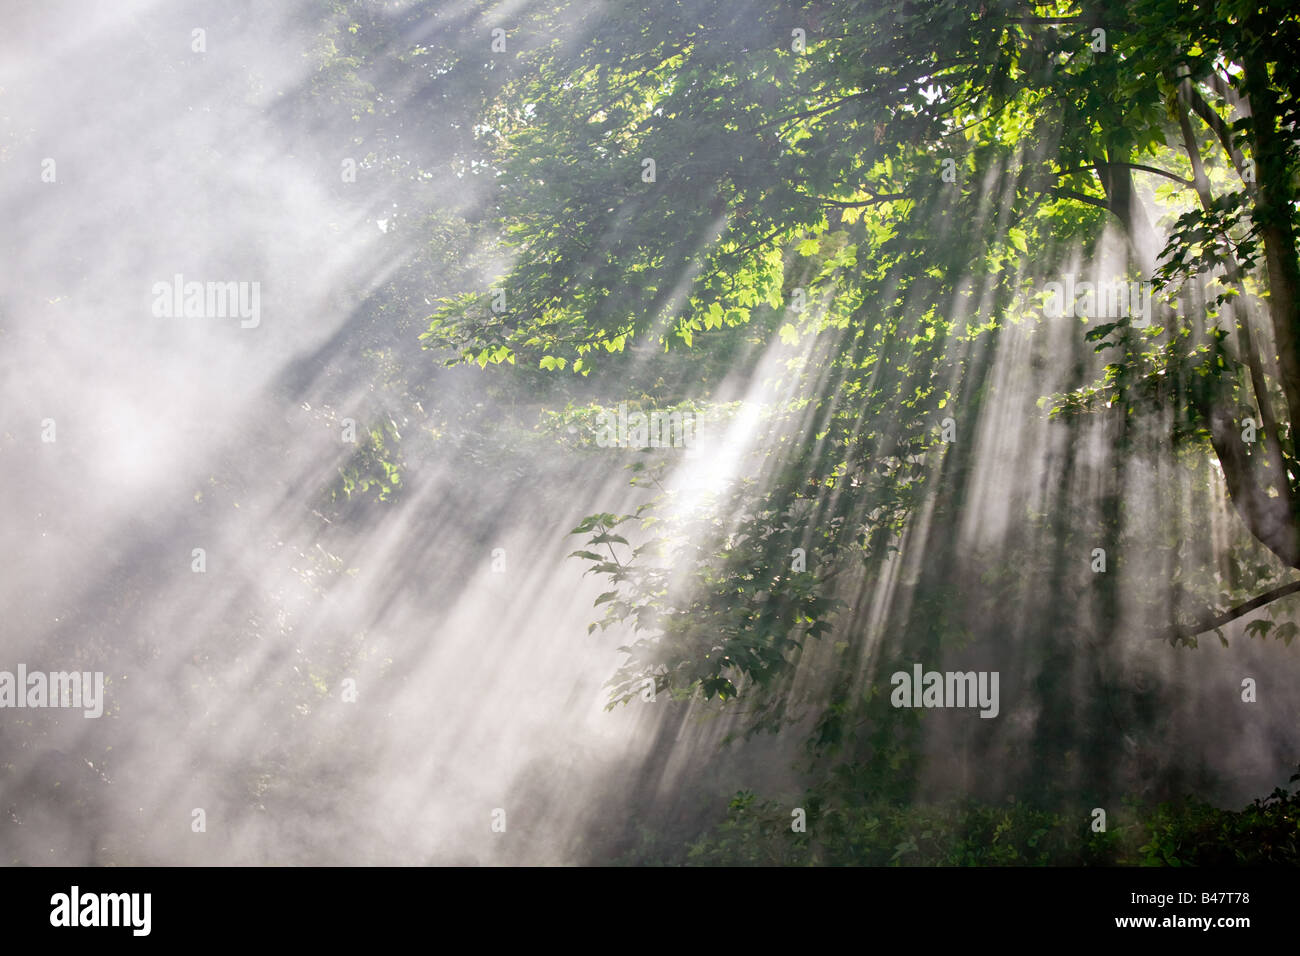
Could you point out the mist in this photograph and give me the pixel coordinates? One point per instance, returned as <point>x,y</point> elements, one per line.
<point>327,578</point>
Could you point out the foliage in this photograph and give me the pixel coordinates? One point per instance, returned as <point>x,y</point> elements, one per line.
<point>757,832</point>
<point>868,203</point>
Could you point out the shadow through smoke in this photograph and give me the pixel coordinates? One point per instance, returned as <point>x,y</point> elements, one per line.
<point>477,688</point>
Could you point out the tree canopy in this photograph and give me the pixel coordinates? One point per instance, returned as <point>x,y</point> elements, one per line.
<point>899,180</point>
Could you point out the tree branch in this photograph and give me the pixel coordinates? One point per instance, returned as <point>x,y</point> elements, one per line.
<point>1080,197</point>
<point>1043,21</point>
<point>1146,169</point>
<point>815,111</point>
<point>1209,620</point>
<point>875,198</point>
<point>1220,128</point>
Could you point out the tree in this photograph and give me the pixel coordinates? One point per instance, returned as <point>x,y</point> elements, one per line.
<point>893,165</point>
